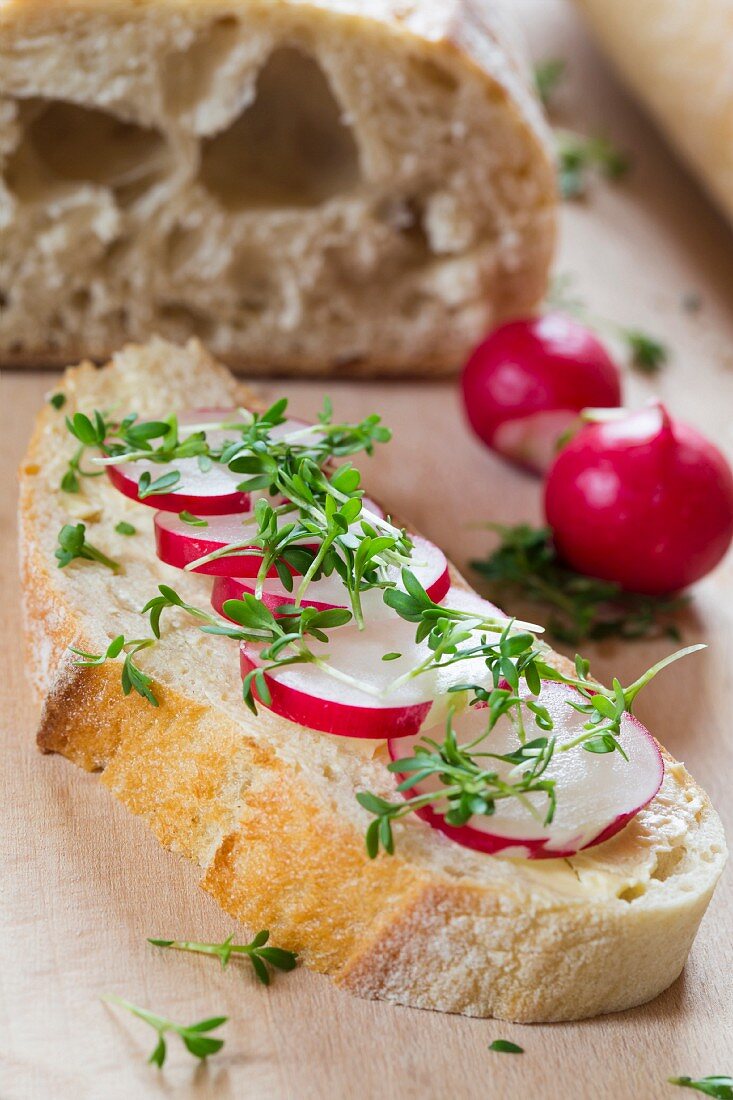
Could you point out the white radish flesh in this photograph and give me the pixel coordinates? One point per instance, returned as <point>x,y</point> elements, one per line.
<point>532,441</point>
<point>597,794</point>
<point>371,707</point>
<point>181,544</point>
<point>429,566</point>
<point>211,491</point>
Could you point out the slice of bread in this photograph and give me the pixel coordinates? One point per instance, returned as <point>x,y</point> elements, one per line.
<point>268,809</point>
<point>341,185</point>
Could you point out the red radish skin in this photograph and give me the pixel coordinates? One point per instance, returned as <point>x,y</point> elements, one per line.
<point>642,500</point>
<point>525,385</point>
<point>596,795</point>
<point>528,849</point>
<point>430,566</point>
<point>309,696</point>
<point>200,504</point>
<point>180,544</point>
<point>328,716</point>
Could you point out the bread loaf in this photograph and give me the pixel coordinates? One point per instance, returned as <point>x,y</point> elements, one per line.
<point>267,808</point>
<point>345,185</point>
<point>677,55</point>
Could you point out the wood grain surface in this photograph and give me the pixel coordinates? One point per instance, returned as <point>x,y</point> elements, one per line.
<point>83,883</point>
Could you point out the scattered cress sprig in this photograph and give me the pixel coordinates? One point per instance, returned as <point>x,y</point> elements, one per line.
<point>263,958</point>
<point>88,432</point>
<point>719,1086</point>
<point>193,1036</point>
<point>259,954</point>
<point>132,678</point>
<point>73,544</point>
<point>526,564</point>
<point>505,1046</point>
<point>578,155</point>
<point>646,354</point>
<point>548,76</point>
<point>191,520</point>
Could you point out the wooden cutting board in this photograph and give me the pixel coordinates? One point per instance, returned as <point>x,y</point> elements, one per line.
<point>83,884</point>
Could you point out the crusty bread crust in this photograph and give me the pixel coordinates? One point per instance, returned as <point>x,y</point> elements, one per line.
<point>267,809</point>
<point>454,241</point>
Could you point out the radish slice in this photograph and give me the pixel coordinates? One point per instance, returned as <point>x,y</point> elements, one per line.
<point>430,567</point>
<point>310,696</point>
<point>525,385</point>
<point>209,492</point>
<point>346,716</point>
<point>274,594</point>
<point>597,795</point>
<point>179,543</point>
<point>532,441</point>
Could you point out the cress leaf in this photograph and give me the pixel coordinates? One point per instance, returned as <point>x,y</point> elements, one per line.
<point>720,1087</point>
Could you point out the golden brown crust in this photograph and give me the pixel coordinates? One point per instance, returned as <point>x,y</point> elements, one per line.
<point>323,897</point>
<point>433,926</point>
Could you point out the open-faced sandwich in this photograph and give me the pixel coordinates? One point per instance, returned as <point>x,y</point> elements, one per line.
<point>299,693</point>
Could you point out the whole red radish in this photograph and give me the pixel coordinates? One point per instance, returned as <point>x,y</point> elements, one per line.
<point>525,384</point>
<point>642,500</point>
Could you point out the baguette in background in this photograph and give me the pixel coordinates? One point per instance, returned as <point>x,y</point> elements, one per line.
<point>677,56</point>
